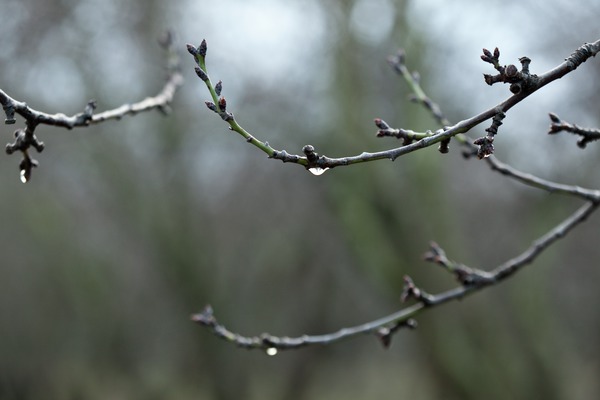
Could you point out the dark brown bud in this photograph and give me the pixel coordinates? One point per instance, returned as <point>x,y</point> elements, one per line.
<point>308,149</point>
<point>202,48</point>
<point>409,290</point>
<point>444,147</point>
<point>9,110</point>
<point>201,74</point>
<point>222,104</point>
<point>486,146</point>
<point>525,61</point>
<point>511,71</point>
<point>487,55</point>
<point>381,124</point>
<point>211,106</point>
<point>192,49</point>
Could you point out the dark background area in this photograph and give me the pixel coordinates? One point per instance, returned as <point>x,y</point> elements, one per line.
<point>128,227</point>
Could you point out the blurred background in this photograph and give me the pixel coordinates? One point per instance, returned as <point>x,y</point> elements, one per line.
<point>128,227</point>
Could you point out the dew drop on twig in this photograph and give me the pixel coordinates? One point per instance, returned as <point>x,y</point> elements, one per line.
<point>23,176</point>
<point>317,170</point>
<point>272,351</point>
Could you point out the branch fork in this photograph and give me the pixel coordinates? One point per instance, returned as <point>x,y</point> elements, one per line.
<point>522,83</point>
<point>587,135</point>
<point>25,138</point>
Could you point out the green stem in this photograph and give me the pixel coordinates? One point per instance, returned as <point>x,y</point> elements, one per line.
<point>264,146</point>
<point>209,85</point>
<point>233,124</point>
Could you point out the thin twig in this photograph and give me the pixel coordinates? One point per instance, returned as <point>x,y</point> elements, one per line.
<point>534,181</point>
<point>26,138</point>
<point>322,162</point>
<point>471,279</point>
<point>587,135</point>
<point>267,341</point>
<point>399,65</point>
<point>413,79</point>
<point>561,230</point>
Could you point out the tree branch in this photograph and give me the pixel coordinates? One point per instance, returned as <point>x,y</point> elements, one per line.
<point>25,137</point>
<point>471,280</point>
<point>522,83</point>
<point>398,63</point>
<point>271,343</point>
<point>587,135</point>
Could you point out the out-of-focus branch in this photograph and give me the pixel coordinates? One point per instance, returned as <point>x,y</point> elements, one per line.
<point>587,135</point>
<point>398,63</point>
<point>472,280</point>
<point>25,138</point>
<point>592,196</point>
<point>413,80</point>
<point>522,82</point>
<point>271,344</point>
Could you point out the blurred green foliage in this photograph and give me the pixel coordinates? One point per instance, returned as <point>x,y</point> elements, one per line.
<point>129,227</point>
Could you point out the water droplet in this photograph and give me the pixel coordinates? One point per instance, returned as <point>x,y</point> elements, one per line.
<point>317,170</point>
<point>24,177</point>
<point>272,351</point>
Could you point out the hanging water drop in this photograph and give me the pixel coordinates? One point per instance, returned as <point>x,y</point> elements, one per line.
<point>317,170</point>
<point>24,177</point>
<point>272,351</point>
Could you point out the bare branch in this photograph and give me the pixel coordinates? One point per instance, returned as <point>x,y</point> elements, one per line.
<point>587,135</point>
<point>471,280</point>
<point>25,138</point>
<point>508,268</point>
<point>413,80</point>
<point>270,343</point>
<point>527,82</point>
<point>534,181</point>
<point>471,149</point>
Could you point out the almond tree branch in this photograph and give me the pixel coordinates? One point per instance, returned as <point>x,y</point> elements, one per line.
<point>522,83</point>
<point>419,96</point>
<point>592,195</point>
<point>587,135</point>
<point>471,280</point>
<point>398,63</point>
<point>219,106</point>
<point>26,138</point>
<point>268,342</point>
